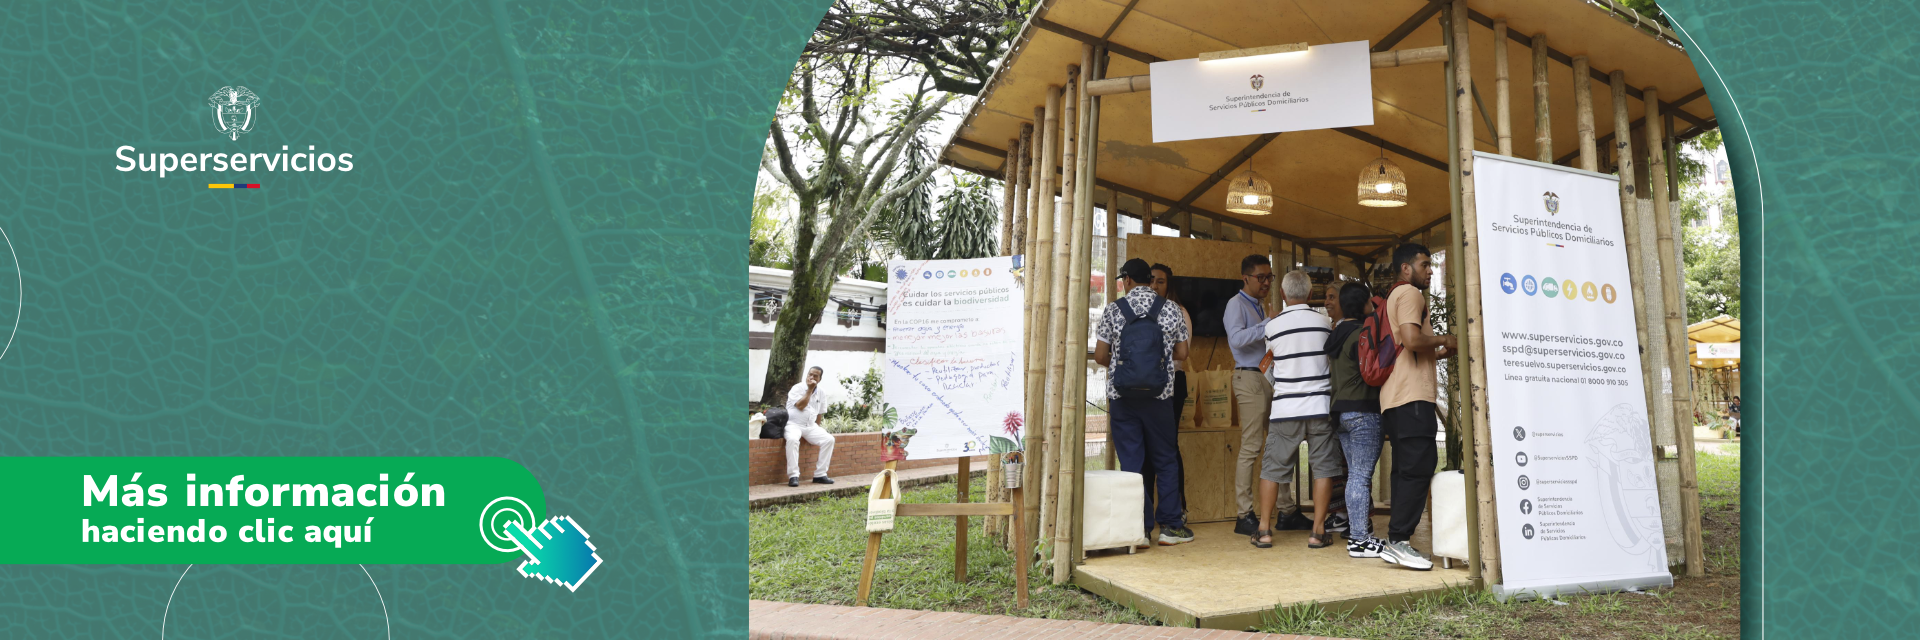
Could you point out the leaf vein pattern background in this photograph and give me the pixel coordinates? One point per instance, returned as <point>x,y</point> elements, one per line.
<point>536,256</point>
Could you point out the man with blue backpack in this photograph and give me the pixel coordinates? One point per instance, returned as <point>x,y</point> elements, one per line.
<point>1139,338</point>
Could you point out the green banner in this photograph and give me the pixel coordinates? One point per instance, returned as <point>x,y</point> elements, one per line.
<point>342,510</point>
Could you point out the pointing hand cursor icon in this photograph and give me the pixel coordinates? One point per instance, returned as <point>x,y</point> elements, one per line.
<point>557,552</point>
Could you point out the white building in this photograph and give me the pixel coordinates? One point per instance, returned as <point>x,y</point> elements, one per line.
<point>1717,179</point>
<point>850,338</point>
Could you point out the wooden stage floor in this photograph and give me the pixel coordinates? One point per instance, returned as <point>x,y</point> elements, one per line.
<point>1219,581</point>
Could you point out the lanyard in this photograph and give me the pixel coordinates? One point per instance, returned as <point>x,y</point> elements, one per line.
<point>1256,303</point>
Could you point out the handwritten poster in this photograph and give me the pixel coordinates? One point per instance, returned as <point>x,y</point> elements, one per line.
<point>954,381</point>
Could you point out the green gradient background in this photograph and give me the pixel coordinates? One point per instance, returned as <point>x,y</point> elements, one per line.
<point>1822,97</point>
<point>558,281</point>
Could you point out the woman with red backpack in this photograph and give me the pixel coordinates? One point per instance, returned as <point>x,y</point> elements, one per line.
<point>1356,410</point>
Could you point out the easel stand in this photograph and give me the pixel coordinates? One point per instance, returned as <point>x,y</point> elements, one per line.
<point>960,511</point>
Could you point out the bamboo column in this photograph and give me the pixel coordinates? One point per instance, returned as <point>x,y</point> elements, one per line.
<point>1112,286</point>
<point>1676,319</point>
<point>1636,269</point>
<point>1013,234</point>
<point>1037,279</point>
<point>1666,469</point>
<point>1502,91</point>
<point>1055,343</point>
<point>1583,113</point>
<point>1073,397</point>
<point>1468,246</point>
<point>1457,391</point>
<point>1542,115</point>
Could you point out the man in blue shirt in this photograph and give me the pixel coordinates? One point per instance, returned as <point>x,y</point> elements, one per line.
<point>1246,322</point>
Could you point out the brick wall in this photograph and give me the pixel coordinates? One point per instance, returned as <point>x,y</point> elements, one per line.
<point>853,454</point>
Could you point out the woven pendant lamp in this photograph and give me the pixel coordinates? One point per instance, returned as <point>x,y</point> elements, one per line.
<point>1249,194</point>
<point>1383,184</point>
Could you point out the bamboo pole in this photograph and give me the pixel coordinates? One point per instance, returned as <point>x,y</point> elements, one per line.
<point>1583,113</point>
<point>1502,90</point>
<point>1661,424</point>
<point>1542,116</point>
<point>1676,319</point>
<point>1037,280</point>
<point>1055,343</point>
<point>1457,391</point>
<point>1468,245</point>
<point>1009,179</point>
<point>1112,285</point>
<point>1074,395</point>
<point>1630,217</point>
<point>1011,244</point>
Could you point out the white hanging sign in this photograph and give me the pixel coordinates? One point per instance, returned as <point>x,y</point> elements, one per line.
<point>1719,350</point>
<point>1324,87</point>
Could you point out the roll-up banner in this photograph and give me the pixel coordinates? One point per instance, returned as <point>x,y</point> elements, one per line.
<point>954,378</point>
<point>1572,456</point>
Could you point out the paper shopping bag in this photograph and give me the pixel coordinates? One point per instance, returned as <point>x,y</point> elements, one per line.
<point>880,511</point>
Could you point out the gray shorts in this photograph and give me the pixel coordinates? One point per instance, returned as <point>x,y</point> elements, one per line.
<point>1324,457</point>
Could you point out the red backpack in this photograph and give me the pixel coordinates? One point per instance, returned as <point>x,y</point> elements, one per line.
<point>1378,349</point>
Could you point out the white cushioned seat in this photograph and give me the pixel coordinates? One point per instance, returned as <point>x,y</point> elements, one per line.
<point>1115,502</point>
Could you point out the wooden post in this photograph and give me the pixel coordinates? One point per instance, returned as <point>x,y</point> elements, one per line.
<point>1186,224</point>
<point>965,491</point>
<point>1583,113</point>
<point>1009,186</point>
<point>1055,343</point>
<point>1676,320</point>
<point>1037,279</point>
<point>873,551</point>
<point>1502,91</point>
<point>1467,243</point>
<point>1014,244</point>
<point>1023,556</point>
<point>1542,117</point>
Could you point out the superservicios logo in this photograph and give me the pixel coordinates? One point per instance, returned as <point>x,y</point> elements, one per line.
<point>1552,200</point>
<point>235,111</point>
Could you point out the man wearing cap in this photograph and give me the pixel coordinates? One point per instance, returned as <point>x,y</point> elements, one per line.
<point>1141,417</point>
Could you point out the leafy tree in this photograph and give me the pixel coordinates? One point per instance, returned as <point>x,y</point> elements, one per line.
<point>955,43</point>
<point>770,242</point>
<point>1711,254</point>
<point>969,219</point>
<point>857,175</point>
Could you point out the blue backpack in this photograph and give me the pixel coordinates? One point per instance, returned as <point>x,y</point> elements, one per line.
<point>1140,365</point>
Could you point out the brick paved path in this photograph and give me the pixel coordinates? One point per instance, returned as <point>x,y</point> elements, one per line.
<point>767,620</point>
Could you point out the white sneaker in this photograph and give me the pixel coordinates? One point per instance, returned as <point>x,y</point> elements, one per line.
<point>1363,548</point>
<point>1402,553</point>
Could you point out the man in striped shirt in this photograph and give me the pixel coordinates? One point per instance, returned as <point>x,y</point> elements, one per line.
<point>1302,398</point>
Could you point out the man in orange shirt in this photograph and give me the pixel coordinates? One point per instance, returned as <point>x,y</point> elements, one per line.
<point>1407,402</point>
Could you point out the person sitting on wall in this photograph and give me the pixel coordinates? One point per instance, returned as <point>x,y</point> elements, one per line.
<point>1139,339</point>
<point>1302,394</point>
<point>803,416</point>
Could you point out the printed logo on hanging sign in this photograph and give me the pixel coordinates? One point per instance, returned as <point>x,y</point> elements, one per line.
<point>1258,81</point>
<point>1553,202</point>
<point>233,109</point>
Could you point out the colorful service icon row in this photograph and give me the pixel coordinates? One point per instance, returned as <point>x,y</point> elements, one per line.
<point>1555,288</point>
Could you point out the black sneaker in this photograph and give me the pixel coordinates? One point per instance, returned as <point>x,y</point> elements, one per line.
<point>1170,536</point>
<point>1293,522</point>
<point>821,480</point>
<point>793,481</point>
<point>1337,521</point>
<point>1247,524</point>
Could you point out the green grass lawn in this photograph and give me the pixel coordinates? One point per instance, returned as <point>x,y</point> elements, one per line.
<point>811,552</point>
<point>1696,608</point>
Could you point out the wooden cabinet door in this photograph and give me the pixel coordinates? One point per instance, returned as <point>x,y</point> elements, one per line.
<point>1207,458</point>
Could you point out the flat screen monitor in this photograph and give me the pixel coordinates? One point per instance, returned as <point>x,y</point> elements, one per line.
<point>1206,300</point>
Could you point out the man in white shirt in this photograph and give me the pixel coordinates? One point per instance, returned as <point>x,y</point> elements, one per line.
<point>1302,400</point>
<point>803,412</point>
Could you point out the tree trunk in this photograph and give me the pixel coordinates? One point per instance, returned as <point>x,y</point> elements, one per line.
<point>793,332</point>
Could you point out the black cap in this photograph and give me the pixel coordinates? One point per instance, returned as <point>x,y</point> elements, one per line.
<point>1137,270</point>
